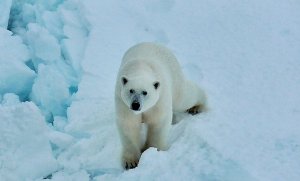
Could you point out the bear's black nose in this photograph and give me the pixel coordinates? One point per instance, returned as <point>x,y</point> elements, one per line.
<point>135,106</point>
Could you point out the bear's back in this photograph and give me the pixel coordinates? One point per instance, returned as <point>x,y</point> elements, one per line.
<point>153,54</point>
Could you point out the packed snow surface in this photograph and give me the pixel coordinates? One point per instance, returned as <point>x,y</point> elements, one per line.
<point>58,64</point>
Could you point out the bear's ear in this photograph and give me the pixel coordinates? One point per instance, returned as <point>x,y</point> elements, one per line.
<point>156,85</point>
<point>124,80</point>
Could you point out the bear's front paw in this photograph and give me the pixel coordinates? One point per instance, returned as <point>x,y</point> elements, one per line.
<point>130,161</point>
<point>130,164</point>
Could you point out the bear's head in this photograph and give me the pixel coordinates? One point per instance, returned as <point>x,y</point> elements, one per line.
<point>139,93</point>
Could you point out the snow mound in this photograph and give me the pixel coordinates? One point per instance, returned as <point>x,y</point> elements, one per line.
<point>25,151</point>
<point>55,33</point>
<point>15,76</point>
<point>48,93</point>
<point>5,6</point>
<point>43,46</point>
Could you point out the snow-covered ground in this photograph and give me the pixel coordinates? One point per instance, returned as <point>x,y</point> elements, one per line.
<point>58,64</point>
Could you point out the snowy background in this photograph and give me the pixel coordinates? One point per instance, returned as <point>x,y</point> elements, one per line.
<point>58,64</point>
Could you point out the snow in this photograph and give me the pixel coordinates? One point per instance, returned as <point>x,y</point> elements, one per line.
<point>42,44</point>
<point>4,12</point>
<point>48,93</point>
<point>25,149</point>
<point>58,66</point>
<point>15,76</point>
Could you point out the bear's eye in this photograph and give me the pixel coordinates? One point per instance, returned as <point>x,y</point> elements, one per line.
<point>156,85</point>
<point>131,91</point>
<point>144,93</point>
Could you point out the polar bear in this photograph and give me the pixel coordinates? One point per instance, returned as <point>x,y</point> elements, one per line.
<point>150,86</point>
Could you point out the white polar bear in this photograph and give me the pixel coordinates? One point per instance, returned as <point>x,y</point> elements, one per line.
<point>151,86</point>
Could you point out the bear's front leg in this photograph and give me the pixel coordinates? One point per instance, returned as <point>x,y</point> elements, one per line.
<point>131,142</point>
<point>129,126</point>
<point>158,131</point>
<point>130,158</point>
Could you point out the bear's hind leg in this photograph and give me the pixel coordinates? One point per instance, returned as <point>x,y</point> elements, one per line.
<point>193,99</point>
<point>196,109</point>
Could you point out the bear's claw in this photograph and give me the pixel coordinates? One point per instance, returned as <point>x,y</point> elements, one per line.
<point>130,165</point>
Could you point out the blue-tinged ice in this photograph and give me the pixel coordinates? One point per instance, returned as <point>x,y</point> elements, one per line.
<point>53,23</point>
<point>25,152</point>
<point>50,91</point>
<point>15,76</point>
<point>10,99</point>
<point>44,47</point>
<point>5,6</point>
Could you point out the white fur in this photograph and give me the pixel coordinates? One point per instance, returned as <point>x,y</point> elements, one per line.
<point>142,66</point>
